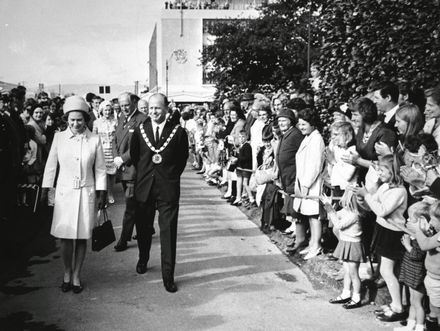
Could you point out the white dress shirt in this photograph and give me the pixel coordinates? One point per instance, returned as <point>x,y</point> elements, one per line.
<point>155,125</point>
<point>390,113</point>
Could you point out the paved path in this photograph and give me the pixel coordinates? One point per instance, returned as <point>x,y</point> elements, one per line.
<point>230,277</point>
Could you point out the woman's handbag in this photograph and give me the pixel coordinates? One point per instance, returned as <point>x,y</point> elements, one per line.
<point>263,176</point>
<point>102,235</point>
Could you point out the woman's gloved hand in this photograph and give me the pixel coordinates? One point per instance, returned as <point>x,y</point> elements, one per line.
<point>101,197</point>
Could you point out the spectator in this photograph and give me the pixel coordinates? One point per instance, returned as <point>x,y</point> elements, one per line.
<point>38,123</point>
<point>432,113</point>
<point>389,203</point>
<point>386,97</point>
<point>105,127</point>
<point>308,182</point>
<point>285,158</point>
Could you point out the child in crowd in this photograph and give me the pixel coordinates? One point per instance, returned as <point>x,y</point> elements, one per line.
<point>199,142</point>
<point>428,238</point>
<point>412,270</point>
<point>244,170</point>
<point>343,173</point>
<point>210,160</point>
<point>389,203</point>
<point>348,230</point>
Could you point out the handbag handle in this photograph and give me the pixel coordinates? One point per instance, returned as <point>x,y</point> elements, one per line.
<point>104,215</point>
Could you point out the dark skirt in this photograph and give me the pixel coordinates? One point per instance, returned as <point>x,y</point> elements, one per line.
<point>348,251</point>
<point>288,207</point>
<point>243,173</point>
<point>412,270</point>
<point>387,243</point>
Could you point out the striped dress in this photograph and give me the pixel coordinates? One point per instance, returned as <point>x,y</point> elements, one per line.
<point>106,129</point>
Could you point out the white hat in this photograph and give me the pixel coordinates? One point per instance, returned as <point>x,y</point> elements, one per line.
<point>75,103</point>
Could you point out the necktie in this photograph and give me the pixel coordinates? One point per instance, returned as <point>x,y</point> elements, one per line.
<point>157,135</point>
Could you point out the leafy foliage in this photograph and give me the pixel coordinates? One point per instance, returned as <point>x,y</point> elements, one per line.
<point>366,41</point>
<point>270,50</point>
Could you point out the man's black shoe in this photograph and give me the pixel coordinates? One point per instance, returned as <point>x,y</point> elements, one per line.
<point>141,267</point>
<point>120,247</point>
<point>170,286</point>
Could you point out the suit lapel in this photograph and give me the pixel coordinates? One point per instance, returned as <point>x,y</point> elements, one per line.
<point>148,128</point>
<point>165,134</point>
<point>129,125</point>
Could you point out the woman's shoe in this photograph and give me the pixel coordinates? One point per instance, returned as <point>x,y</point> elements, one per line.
<point>231,199</point>
<point>237,203</point>
<point>252,204</point>
<point>305,251</point>
<point>66,286</point>
<point>296,247</point>
<point>311,254</point>
<point>339,299</point>
<point>391,316</point>
<point>352,304</point>
<point>382,309</point>
<point>77,289</point>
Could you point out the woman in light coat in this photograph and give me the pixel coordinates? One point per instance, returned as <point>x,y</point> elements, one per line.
<point>309,164</point>
<point>81,180</point>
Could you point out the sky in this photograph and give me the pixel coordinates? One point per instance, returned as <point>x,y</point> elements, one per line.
<point>76,41</point>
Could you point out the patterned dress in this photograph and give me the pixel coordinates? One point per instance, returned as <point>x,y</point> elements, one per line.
<point>106,129</point>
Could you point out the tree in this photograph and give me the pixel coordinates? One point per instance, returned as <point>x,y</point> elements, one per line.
<point>270,50</point>
<point>366,41</point>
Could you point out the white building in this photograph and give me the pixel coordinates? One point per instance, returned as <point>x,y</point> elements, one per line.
<point>176,46</point>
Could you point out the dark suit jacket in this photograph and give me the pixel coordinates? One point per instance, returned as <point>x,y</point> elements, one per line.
<point>121,144</point>
<point>91,120</point>
<point>164,176</point>
<point>250,120</point>
<point>286,158</point>
<point>391,124</point>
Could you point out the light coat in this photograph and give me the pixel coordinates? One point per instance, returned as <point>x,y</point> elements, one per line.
<point>80,157</point>
<point>309,165</point>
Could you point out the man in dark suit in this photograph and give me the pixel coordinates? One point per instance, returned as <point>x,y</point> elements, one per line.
<point>128,121</point>
<point>92,117</point>
<point>386,97</point>
<point>159,151</point>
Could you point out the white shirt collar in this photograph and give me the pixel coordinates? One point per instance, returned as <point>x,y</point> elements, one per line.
<point>161,126</point>
<point>390,113</point>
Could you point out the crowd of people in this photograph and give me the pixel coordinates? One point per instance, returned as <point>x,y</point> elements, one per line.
<point>373,183</point>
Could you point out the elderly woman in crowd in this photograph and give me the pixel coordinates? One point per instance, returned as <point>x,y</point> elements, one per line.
<point>105,127</point>
<point>309,166</point>
<point>78,154</point>
<point>285,154</point>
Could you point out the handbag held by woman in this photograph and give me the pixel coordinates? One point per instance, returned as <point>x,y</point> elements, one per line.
<point>102,235</point>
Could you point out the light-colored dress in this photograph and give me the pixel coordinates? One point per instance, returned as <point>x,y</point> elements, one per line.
<point>309,166</point>
<point>106,129</point>
<point>256,140</point>
<point>81,171</point>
